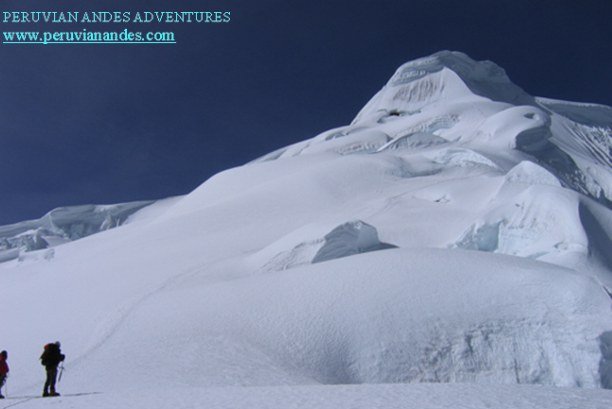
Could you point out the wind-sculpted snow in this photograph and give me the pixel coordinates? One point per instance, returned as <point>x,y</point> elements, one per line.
<point>62,225</point>
<point>458,230</point>
<point>450,98</point>
<point>444,76</point>
<point>308,246</point>
<point>537,142</point>
<point>531,174</point>
<point>605,365</point>
<point>413,141</point>
<point>521,220</point>
<point>583,113</point>
<point>385,316</point>
<point>597,225</point>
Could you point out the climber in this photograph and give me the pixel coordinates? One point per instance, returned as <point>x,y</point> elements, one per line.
<point>4,370</point>
<point>50,359</point>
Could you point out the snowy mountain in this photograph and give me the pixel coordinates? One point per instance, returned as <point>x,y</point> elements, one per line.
<point>458,230</point>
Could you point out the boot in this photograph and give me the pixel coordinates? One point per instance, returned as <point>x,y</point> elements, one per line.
<point>54,393</point>
<point>45,393</point>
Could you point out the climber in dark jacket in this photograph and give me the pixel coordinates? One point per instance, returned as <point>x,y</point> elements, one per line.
<point>50,358</point>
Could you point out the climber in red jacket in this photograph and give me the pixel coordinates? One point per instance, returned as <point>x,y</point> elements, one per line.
<point>4,370</point>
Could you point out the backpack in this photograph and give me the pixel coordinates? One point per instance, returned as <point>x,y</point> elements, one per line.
<point>44,358</point>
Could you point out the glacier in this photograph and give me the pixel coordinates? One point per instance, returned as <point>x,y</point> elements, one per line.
<point>62,225</point>
<point>457,231</point>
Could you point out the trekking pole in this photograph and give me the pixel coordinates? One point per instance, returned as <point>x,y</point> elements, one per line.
<point>59,379</point>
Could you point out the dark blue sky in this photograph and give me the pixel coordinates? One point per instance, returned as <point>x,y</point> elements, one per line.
<point>111,123</point>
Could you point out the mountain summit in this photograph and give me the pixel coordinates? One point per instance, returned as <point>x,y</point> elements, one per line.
<point>474,104</point>
<point>445,76</point>
<point>458,230</point>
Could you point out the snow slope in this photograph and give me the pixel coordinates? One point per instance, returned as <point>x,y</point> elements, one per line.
<point>458,230</point>
<point>424,396</point>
